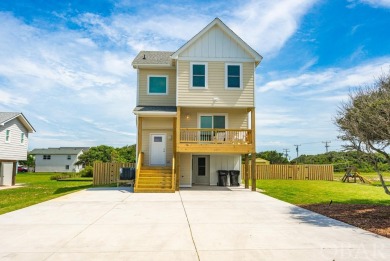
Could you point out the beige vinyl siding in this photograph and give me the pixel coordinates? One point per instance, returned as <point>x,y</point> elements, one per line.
<point>185,169</point>
<point>14,149</point>
<point>216,87</point>
<point>153,100</point>
<point>157,126</point>
<point>236,118</point>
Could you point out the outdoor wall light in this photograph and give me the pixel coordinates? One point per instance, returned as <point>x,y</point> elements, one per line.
<point>187,116</point>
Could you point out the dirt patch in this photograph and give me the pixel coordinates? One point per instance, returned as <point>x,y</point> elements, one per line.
<point>369,217</point>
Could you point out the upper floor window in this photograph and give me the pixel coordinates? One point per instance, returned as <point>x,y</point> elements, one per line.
<point>46,157</point>
<point>158,84</point>
<point>7,135</point>
<point>199,75</point>
<point>233,76</point>
<point>69,157</point>
<point>22,137</point>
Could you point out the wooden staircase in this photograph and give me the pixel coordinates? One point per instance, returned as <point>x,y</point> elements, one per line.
<point>154,180</point>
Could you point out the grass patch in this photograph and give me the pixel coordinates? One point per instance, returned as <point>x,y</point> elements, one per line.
<point>322,192</point>
<point>38,188</point>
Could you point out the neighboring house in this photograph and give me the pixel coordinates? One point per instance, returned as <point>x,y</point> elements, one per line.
<point>14,134</point>
<point>195,110</point>
<point>61,159</point>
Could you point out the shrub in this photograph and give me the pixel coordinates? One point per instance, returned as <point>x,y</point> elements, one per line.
<point>87,172</point>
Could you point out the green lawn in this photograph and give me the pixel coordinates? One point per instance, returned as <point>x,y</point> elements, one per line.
<point>38,188</point>
<point>316,192</point>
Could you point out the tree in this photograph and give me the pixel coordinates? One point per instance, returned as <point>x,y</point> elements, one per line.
<point>105,153</point>
<point>30,162</point>
<point>364,121</point>
<point>272,156</point>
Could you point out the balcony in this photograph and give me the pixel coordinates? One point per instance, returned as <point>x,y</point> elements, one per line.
<point>215,140</point>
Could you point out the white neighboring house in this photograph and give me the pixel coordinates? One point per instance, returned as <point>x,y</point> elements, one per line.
<point>61,159</point>
<point>14,132</point>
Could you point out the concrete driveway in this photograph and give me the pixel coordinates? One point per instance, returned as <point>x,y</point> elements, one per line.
<point>193,224</point>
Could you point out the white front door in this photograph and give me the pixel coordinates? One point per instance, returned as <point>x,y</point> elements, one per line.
<point>157,149</point>
<point>6,173</point>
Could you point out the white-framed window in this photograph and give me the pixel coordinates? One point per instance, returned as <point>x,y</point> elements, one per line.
<point>212,121</point>
<point>22,137</point>
<point>157,84</point>
<point>66,166</point>
<point>69,157</point>
<point>233,76</point>
<point>46,157</point>
<point>199,75</point>
<point>7,136</point>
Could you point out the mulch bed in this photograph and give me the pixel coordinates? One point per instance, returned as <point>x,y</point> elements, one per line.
<point>373,218</point>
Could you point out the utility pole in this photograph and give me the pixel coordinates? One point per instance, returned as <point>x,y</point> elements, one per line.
<point>297,149</point>
<point>286,153</point>
<point>326,145</point>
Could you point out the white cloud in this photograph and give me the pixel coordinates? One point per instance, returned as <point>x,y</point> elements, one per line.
<point>329,79</point>
<point>9,98</point>
<point>373,3</point>
<point>267,25</point>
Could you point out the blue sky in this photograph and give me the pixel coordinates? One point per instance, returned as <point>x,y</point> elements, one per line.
<point>67,64</point>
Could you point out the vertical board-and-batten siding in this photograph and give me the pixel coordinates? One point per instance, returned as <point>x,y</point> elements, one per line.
<point>160,100</point>
<point>215,44</point>
<point>14,149</point>
<point>216,87</point>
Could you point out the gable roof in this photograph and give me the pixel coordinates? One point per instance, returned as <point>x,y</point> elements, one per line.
<point>162,58</point>
<point>8,116</point>
<point>59,151</point>
<point>217,22</point>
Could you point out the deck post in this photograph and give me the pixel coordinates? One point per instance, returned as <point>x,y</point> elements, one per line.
<point>246,171</point>
<point>177,127</point>
<point>253,154</point>
<point>139,136</point>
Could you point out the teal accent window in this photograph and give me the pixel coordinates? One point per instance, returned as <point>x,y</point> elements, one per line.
<point>21,137</point>
<point>199,75</point>
<point>233,76</point>
<point>158,84</point>
<point>7,133</point>
<point>211,122</point>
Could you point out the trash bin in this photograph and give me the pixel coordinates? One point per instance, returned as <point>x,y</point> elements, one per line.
<point>222,178</point>
<point>127,174</point>
<point>234,174</point>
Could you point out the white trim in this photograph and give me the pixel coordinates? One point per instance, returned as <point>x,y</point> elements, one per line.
<point>154,113</point>
<point>177,85</point>
<point>206,75</point>
<point>185,186</point>
<point>151,66</point>
<point>136,99</point>
<point>226,77</point>
<point>166,82</point>
<point>208,59</point>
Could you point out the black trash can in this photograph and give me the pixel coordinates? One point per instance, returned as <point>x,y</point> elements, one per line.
<point>234,174</point>
<point>222,178</point>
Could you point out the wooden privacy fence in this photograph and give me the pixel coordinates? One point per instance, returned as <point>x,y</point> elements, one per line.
<point>295,172</point>
<point>107,173</point>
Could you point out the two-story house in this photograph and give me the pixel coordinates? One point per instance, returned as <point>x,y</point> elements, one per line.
<point>62,159</point>
<point>14,135</point>
<point>195,110</point>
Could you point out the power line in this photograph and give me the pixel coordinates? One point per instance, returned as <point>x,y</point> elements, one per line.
<point>326,145</point>
<point>286,151</point>
<point>297,149</point>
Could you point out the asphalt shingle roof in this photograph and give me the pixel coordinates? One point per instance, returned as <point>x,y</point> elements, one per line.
<point>156,108</point>
<point>153,57</point>
<point>58,151</point>
<point>5,116</point>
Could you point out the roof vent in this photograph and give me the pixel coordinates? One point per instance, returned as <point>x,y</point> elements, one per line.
<point>144,57</point>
